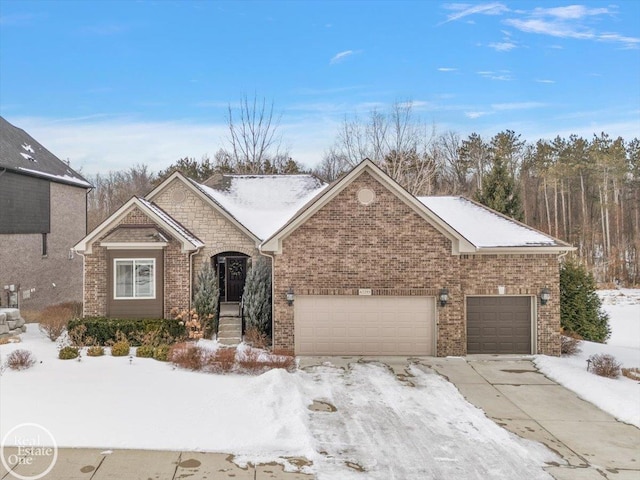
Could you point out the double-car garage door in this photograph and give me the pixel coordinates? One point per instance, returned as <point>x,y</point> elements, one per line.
<point>364,325</point>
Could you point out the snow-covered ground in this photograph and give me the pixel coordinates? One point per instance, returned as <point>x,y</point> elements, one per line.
<point>382,425</point>
<point>619,397</point>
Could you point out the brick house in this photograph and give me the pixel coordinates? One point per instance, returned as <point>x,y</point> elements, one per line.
<point>359,267</point>
<point>43,207</point>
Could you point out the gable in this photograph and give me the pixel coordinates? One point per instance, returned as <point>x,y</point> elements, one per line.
<point>384,182</point>
<point>141,212</point>
<point>188,204</point>
<point>352,238</point>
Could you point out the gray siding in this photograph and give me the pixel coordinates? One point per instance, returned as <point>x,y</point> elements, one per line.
<point>24,204</point>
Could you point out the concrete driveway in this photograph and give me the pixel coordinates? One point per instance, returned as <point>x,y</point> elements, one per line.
<point>516,396</point>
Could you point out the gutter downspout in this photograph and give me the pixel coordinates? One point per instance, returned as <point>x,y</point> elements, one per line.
<point>83,281</point>
<point>273,287</point>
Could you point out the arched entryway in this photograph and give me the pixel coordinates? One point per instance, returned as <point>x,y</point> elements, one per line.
<point>232,273</point>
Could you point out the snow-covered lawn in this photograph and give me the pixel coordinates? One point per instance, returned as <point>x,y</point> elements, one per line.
<point>619,397</point>
<point>382,425</point>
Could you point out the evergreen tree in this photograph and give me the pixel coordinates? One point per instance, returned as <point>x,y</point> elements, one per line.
<point>205,299</point>
<point>580,306</point>
<point>499,191</point>
<point>256,298</point>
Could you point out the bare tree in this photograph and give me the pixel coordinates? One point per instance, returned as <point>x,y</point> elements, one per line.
<point>398,142</point>
<point>253,135</point>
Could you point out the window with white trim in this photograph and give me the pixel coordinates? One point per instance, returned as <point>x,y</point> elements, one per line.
<point>134,278</point>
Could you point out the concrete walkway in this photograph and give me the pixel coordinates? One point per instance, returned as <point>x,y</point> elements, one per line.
<point>516,396</point>
<point>91,464</point>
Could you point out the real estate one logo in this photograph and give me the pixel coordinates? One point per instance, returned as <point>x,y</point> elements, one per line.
<point>28,451</point>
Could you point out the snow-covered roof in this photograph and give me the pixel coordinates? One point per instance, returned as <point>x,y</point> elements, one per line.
<point>262,203</point>
<point>22,153</point>
<point>171,222</point>
<point>483,227</point>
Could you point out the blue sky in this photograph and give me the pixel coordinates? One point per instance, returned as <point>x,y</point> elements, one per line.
<point>110,84</point>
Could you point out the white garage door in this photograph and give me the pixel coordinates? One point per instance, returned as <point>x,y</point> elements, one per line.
<point>364,325</point>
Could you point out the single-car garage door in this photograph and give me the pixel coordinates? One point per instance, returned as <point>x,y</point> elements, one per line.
<point>498,325</point>
<point>364,325</point>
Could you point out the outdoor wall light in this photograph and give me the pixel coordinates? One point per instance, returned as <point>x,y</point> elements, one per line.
<point>443,296</point>
<point>290,296</point>
<point>545,295</point>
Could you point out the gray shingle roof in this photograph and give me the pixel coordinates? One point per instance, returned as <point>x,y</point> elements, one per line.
<point>22,153</point>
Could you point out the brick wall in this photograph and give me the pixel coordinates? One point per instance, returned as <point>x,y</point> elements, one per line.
<point>176,273</point>
<point>388,247</point>
<point>22,262</point>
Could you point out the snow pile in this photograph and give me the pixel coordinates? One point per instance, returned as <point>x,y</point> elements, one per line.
<point>619,397</point>
<point>102,402</point>
<point>264,203</point>
<point>483,227</point>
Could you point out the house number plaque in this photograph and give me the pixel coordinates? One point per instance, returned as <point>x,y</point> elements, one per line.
<point>364,291</point>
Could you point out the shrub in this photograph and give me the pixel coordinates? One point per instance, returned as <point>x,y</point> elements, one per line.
<point>161,352</point>
<point>68,353</point>
<point>223,360</point>
<point>256,299</point>
<point>604,365</point>
<point>103,330</point>
<point>187,355</point>
<point>632,373</point>
<point>95,351</point>
<point>20,360</point>
<point>255,338</point>
<point>283,359</point>
<point>580,306</point>
<point>120,349</point>
<point>570,343</point>
<point>54,319</point>
<point>145,351</point>
<point>250,362</point>
<point>192,322</point>
<point>205,299</point>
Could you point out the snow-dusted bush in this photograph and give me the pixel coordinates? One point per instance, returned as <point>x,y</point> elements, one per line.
<point>570,343</point>
<point>20,360</point>
<point>256,299</point>
<point>604,365</point>
<point>68,353</point>
<point>205,299</point>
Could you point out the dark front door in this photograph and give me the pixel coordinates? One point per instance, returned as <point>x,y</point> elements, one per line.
<point>235,275</point>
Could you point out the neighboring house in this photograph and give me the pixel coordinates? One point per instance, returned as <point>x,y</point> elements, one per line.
<point>359,267</point>
<point>43,207</point>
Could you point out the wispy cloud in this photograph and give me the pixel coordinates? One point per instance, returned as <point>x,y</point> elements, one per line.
<point>503,46</point>
<point>341,56</point>
<point>517,106</point>
<point>570,22</point>
<point>502,75</point>
<point>447,69</point>
<point>462,10</point>
<point>474,115</point>
<point>544,80</point>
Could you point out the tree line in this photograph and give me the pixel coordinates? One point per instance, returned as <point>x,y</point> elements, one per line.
<point>585,191</point>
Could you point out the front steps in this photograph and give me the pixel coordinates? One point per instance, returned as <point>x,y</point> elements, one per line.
<point>230,326</point>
